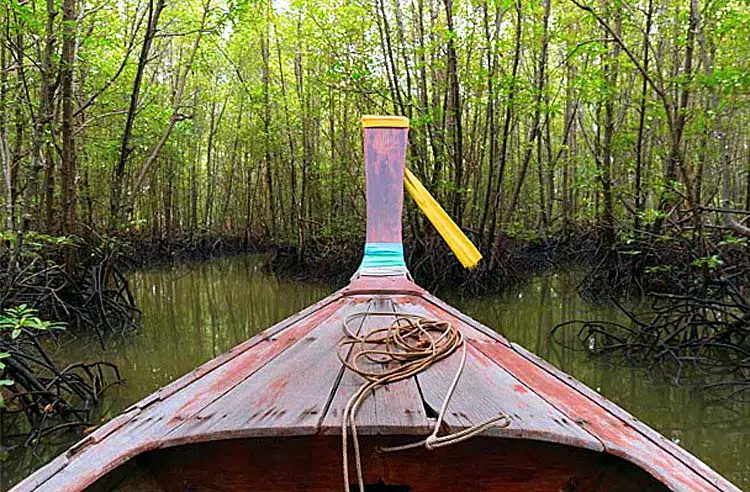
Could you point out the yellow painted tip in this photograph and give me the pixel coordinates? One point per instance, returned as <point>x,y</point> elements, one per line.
<point>378,121</point>
<point>462,247</point>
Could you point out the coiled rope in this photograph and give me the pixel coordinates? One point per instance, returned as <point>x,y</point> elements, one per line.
<point>406,347</point>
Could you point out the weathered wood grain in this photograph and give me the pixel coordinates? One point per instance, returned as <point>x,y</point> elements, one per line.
<point>393,409</point>
<point>285,397</point>
<point>619,437</point>
<point>288,380</point>
<point>203,369</point>
<point>486,390</point>
<point>36,479</point>
<point>476,325</point>
<point>417,305</point>
<point>382,285</point>
<point>385,158</point>
<point>691,461</point>
<point>145,426</point>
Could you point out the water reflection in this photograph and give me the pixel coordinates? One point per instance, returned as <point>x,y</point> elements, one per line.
<point>717,432</point>
<point>191,313</point>
<point>196,311</point>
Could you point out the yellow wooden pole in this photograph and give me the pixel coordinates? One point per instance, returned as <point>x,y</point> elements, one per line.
<point>461,246</point>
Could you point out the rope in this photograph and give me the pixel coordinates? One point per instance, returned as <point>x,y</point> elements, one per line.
<point>406,347</point>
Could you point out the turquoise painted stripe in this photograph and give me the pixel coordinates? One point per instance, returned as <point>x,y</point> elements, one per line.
<point>383,255</point>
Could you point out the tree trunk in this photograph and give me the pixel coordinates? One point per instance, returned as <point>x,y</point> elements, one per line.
<point>610,70</point>
<point>306,157</point>
<point>540,177</point>
<point>454,116</point>
<point>47,86</point>
<point>265,53</point>
<point>212,126</point>
<point>676,159</point>
<point>726,159</point>
<point>499,195</point>
<point>639,153</point>
<point>568,149</point>
<point>118,175</point>
<point>6,159</point>
<point>390,65</point>
<point>534,129</point>
<point>176,105</point>
<point>294,200</point>
<point>68,155</point>
<point>491,124</point>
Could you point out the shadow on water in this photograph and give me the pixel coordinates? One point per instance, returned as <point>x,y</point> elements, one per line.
<point>193,312</point>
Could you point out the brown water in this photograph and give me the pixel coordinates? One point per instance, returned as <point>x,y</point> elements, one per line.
<point>194,312</point>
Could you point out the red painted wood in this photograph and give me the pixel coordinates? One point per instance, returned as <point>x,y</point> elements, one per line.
<point>619,437</point>
<point>287,396</point>
<point>205,390</point>
<point>393,409</point>
<point>681,454</point>
<point>282,381</point>
<point>314,464</point>
<point>212,364</point>
<point>148,424</point>
<point>578,390</point>
<point>385,158</point>
<point>485,390</point>
<point>365,284</point>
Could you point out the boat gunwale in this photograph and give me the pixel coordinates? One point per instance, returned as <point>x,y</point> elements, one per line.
<point>358,295</point>
<point>39,477</point>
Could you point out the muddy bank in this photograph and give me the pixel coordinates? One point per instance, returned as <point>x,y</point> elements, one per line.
<point>433,265</point>
<point>144,252</point>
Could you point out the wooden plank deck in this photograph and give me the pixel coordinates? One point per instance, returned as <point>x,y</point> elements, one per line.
<point>643,446</point>
<point>486,390</point>
<point>618,436</point>
<point>393,409</point>
<point>658,439</point>
<point>288,381</point>
<point>287,396</point>
<point>146,425</point>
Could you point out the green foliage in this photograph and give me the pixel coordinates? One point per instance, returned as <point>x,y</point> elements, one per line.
<point>650,216</point>
<point>660,269</point>
<point>267,136</point>
<point>36,240</point>
<point>711,262</point>
<point>16,320</point>
<point>731,240</point>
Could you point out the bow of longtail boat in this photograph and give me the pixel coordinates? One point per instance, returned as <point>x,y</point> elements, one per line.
<point>267,416</point>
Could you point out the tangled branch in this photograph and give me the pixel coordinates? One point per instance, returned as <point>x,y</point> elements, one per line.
<point>697,326</point>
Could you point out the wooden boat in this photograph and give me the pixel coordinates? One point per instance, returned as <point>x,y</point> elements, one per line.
<point>266,416</point>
